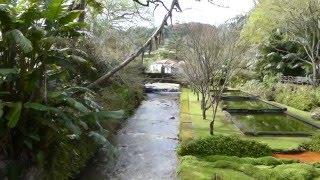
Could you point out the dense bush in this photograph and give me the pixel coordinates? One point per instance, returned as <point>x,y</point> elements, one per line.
<point>315,114</point>
<point>313,144</point>
<point>298,96</point>
<point>224,145</point>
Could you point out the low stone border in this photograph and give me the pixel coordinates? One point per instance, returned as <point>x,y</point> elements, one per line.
<point>254,111</point>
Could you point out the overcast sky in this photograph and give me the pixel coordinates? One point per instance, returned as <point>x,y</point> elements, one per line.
<point>204,12</point>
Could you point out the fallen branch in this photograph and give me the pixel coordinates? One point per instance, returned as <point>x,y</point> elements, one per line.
<point>147,44</point>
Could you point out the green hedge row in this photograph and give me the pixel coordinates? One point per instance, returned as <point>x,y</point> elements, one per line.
<point>224,145</point>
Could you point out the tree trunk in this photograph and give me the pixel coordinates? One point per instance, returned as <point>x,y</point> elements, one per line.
<point>211,127</point>
<point>214,113</point>
<point>198,96</point>
<point>314,74</point>
<point>203,106</point>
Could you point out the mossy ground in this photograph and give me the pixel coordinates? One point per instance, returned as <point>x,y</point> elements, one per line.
<point>193,126</point>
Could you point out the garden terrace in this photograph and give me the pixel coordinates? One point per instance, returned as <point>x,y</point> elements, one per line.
<point>237,95</point>
<point>257,117</point>
<point>273,124</point>
<point>250,106</point>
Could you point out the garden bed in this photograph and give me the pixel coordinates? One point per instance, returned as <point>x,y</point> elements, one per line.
<point>273,124</point>
<point>250,106</point>
<point>306,157</point>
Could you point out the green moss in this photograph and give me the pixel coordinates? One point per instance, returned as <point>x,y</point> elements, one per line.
<point>192,168</point>
<point>227,167</point>
<point>266,161</point>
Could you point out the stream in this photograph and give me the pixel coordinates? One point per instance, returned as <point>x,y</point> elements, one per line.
<point>145,145</point>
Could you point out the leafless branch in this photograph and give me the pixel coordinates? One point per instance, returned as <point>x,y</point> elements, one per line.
<point>133,56</point>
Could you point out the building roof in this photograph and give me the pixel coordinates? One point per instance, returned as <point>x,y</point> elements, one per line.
<point>165,62</point>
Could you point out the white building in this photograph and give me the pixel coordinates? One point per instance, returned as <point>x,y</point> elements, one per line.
<point>167,66</point>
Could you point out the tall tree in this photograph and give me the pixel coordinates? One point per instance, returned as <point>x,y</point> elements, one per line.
<point>228,60</point>
<point>200,44</point>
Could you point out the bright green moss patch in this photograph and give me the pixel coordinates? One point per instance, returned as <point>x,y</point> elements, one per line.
<point>192,168</point>
<point>228,167</point>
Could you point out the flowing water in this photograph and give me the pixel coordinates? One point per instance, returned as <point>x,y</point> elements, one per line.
<point>145,144</point>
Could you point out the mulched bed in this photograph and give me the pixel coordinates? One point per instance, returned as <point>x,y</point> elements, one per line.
<point>306,157</point>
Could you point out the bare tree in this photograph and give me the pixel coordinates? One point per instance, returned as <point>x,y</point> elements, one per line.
<point>212,56</point>
<point>228,60</point>
<point>200,43</point>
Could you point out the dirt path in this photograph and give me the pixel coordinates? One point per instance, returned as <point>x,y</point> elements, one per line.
<point>306,157</point>
<point>146,144</point>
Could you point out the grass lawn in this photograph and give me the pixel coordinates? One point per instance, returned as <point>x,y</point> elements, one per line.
<point>191,112</point>
<point>192,126</point>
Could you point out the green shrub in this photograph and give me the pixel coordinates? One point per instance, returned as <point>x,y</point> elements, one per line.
<point>225,145</point>
<point>297,96</point>
<point>267,160</point>
<point>302,97</point>
<point>295,171</point>
<point>313,144</point>
<point>315,114</point>
<point>270,95</point>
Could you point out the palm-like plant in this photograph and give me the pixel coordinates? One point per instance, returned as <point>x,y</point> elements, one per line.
<point>40,72</point>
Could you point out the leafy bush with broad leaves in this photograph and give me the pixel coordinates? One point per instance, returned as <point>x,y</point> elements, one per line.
<point>45,106</point>
<point>224,145</point>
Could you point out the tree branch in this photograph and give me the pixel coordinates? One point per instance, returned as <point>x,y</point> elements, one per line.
<point>107,76</point>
